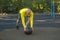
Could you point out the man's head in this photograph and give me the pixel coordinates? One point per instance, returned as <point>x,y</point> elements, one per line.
<point>28,12</point>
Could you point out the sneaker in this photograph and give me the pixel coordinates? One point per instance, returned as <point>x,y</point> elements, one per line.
<point>17,27</point>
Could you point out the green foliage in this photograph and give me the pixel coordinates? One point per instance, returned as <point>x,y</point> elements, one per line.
<point>36,5</point>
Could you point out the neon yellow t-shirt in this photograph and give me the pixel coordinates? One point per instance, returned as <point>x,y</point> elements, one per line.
<point>22,12</point>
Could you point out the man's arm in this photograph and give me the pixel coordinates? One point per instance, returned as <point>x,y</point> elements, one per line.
<point>23,21</point>
<point>31,21</point>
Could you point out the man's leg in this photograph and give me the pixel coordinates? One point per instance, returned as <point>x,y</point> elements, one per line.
<point>17,22</point>
<point>28,23</point>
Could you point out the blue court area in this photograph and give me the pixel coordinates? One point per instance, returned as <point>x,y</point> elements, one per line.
<point>46,28</point>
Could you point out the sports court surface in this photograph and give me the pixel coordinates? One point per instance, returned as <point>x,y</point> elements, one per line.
<point>45,28</point>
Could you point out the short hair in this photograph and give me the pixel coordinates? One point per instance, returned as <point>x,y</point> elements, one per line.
<point>28,11</point>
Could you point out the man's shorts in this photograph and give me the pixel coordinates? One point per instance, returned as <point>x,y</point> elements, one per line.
<point>19,17</point>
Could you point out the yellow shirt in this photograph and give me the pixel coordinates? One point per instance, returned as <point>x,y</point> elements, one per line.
<point>22,12</point>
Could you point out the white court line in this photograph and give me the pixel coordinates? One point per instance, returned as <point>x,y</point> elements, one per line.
<point>40,20</point>
<point>7,19</point>
<point>16,19</point>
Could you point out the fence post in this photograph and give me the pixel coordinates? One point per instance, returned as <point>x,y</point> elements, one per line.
<point>52,8</point>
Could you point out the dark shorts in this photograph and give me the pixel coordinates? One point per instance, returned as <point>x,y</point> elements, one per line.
<point>19,17</point>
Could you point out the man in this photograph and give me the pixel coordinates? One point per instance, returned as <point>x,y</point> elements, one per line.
<point>25,12</point>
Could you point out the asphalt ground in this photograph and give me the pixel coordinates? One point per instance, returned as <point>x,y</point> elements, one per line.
<point>45,28</point>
